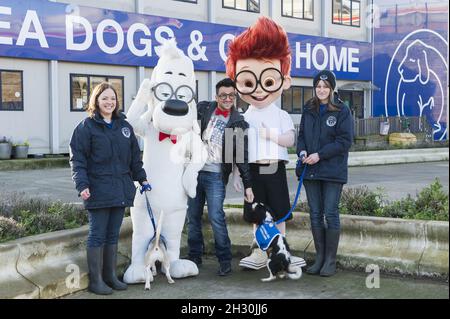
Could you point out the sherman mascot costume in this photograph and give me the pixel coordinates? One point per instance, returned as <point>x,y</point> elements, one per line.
<point>164,114</point>
<point>259,61</point>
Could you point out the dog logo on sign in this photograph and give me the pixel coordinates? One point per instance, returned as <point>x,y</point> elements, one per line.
<point>415,81</point>
<point>126,132</point>
<point>331,121</point>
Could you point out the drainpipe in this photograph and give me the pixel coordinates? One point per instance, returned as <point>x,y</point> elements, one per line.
<point>212,75</point>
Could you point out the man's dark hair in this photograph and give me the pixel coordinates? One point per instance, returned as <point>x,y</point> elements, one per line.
<point>227,82</point>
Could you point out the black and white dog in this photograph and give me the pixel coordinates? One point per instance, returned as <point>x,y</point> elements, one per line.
<point>279,261</point>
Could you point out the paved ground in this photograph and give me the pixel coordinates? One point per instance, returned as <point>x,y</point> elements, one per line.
<point>247,285</point>
<point>396,180</point>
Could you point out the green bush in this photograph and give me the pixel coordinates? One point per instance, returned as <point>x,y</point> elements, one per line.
<point>431,203</point>
<point>10,229</point>
<point>361,201</point>
<point>35,216</point>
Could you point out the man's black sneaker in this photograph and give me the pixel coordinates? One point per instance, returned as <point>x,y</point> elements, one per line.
<point>224,269</point>
<point>196,260</point>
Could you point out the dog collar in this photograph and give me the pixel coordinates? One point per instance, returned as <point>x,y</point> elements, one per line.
<point>265,234</point>
<point>163,136</point>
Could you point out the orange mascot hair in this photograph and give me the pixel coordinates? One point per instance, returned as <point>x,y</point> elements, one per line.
<point>264,40</point>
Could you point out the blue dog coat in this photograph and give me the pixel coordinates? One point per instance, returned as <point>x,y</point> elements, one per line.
<point>266,233</point>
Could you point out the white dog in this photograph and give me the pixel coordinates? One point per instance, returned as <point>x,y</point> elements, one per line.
<point>157,252</point>
<point>164,113</point>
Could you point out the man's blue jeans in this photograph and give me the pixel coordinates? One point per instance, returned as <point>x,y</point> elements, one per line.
<point>323,200</point>
<point>210,188</point>
<point>104,226</point>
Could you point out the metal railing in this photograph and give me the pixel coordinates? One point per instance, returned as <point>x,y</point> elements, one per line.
<point>371,126</point>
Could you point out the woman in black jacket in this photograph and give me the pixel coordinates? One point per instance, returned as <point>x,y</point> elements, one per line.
<point>105,159</point>
<point>324,140</point>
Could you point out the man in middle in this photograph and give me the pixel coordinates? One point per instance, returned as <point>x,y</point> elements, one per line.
<point>223,130</point>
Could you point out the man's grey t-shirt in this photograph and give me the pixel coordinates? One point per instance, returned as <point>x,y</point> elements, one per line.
<point>213,138</point>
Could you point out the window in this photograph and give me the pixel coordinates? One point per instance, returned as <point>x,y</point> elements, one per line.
<point>191,1</point>
<point>293,99</point>
<point>245,5</point>
<point>347,12</point>
<point>301,9</point>
<point>355,101</point>
<point>11,92</point>
<point>81,86</point>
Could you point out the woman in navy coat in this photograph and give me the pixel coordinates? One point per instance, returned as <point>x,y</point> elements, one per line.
<point>105,160</point>
<point>324,140</point>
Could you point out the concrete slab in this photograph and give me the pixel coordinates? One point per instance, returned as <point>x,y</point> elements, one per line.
<point>247,285</point>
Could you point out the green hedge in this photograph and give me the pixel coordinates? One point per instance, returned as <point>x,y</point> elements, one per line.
<point>431,203</point>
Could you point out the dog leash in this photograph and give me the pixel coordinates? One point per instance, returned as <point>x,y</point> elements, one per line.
<point>299,187</point>
<point>152,218</point>
<point>267,231</point>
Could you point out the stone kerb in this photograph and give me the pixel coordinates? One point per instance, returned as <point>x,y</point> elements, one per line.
<point>51,265</point>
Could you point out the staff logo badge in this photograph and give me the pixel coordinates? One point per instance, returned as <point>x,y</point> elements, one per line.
<point>126,132</point>
<point>331,121</point>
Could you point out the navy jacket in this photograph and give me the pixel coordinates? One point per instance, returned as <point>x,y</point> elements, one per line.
<point>329,135</point>
<point>205,110</point>
<point>106,160</point>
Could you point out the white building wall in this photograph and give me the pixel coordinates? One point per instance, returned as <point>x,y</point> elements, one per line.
<point>32,123</point>
<point>120,5</point>
<point>294,25</point>
<point>239,17</point>
<point>68,119</point>
<point>347,32</point>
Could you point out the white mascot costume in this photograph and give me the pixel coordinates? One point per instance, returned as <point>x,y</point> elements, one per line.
<point>164,113</point>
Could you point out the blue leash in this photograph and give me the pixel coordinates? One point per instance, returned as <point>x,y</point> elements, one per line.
<point>267,231</point>
<point>296,195</point>
<point>152,218</point>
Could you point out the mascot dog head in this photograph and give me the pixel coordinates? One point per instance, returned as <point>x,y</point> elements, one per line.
<point>172,103</point>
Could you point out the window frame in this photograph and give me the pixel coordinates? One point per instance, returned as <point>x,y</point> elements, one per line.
<point>107,77</point>
<point>352,94</point>
<point>351,14</point>
<point>302,104</point>
<point>188,1</point>
<point>292,16</point>
<point>248,6</point>
<point>21,91</point>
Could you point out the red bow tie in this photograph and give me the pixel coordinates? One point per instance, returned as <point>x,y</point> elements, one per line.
<point>162,136</point>
<point>224,113</point>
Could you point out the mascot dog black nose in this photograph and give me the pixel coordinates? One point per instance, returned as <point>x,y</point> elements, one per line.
<point>175,107</point>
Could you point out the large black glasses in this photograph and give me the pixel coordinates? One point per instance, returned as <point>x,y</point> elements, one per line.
<point>271,80</point>
<point>164,91</point>
<point>224,96</point>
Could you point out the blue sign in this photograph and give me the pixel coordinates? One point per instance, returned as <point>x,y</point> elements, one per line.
<point>46,30</point>
<point>411,62</point>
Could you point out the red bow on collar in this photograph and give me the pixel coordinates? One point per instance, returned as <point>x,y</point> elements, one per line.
<point>162,136</point>
<point>224,113</point>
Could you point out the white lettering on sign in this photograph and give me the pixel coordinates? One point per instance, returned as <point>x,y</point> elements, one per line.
<point>82,27</point>
<point>223,41</point>
<point>322,57</point>
<point>5,25</point>
<point>315,53</point>
<point>159,36</point>
<point>31,18</point>
<point>108,24</point>
<point>338,62</point>
<point>353,59</point>
<point>147,43</point>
